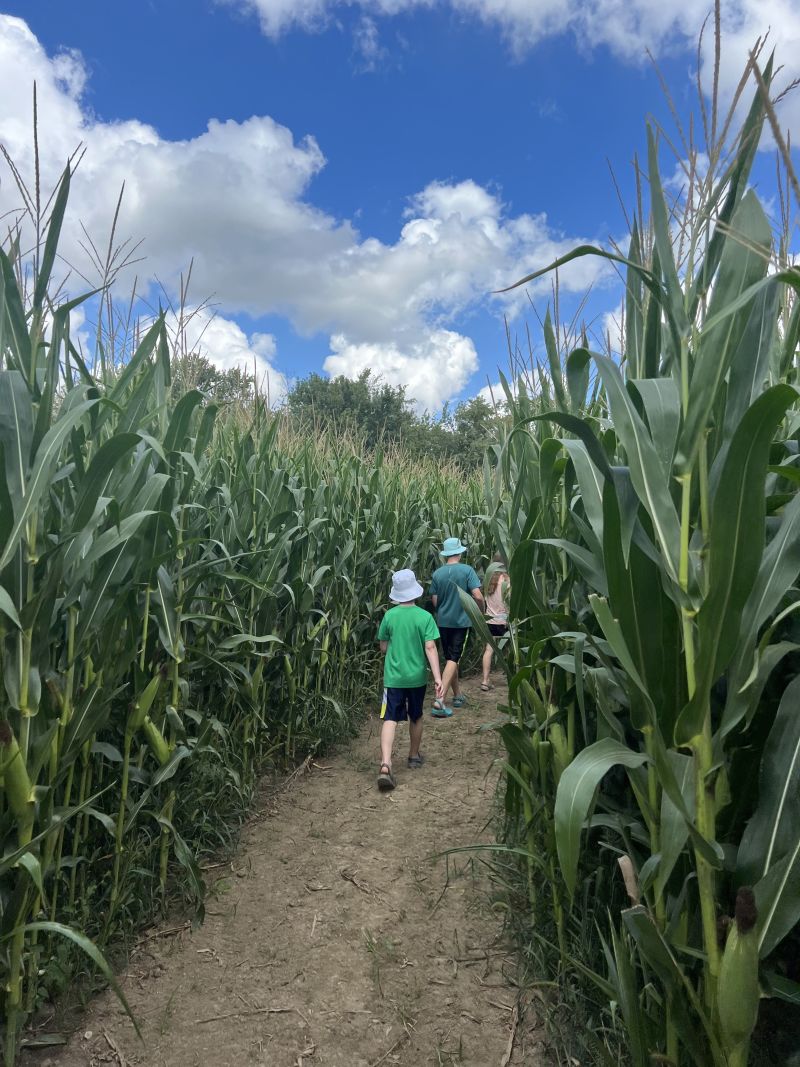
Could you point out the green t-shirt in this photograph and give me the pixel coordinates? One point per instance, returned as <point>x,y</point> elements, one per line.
<point>406,630</point>
<point>447,580</point>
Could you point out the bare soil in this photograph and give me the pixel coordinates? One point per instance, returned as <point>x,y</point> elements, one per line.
<point>339,936</point>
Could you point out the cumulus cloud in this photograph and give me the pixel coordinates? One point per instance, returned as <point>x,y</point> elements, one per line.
<point>434,369</point>
<point>627,27</point>
<point>236,201</point>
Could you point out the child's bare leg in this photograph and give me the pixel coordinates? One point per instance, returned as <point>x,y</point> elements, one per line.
<point>487,663</point>
<point>387,741</point>
<point>449,678</point>
<point>415,736</point>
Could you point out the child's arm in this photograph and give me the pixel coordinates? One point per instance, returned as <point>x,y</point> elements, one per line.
<point>384,646</point>
<point>433,660</point>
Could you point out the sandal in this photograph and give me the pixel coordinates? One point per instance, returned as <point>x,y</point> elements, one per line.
<point>439,711</point>
<point>459,701</point>
<point>415,762</point>
<point>385,778</point>
<point>486,686</point>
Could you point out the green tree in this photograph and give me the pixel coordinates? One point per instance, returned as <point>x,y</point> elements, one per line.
<point>376,411</point>
<point>382,414</point>
<point>196,371</point>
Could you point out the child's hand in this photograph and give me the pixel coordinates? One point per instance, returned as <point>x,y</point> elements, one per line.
<point>438,688</point>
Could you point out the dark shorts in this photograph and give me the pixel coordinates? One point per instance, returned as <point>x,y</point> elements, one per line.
<point>453,638</point>
<point>498,629</point>
<point>404,703</point>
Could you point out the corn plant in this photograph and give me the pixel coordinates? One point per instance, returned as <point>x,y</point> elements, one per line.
<point>186,598</point>
<point>649,508</point>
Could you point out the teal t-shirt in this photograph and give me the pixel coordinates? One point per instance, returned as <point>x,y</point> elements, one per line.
<point>446,582</point>
<point>406,630</point>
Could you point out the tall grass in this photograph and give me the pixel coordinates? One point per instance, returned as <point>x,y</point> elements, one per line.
<point>649,508</point>
<point>184,599</point>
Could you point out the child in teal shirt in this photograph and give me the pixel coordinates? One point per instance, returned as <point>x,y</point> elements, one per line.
<point>454,624</point>
<point>408,637</point>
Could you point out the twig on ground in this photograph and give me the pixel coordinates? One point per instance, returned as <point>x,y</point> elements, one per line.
<point>163,933</point>
<point>115,1049</point>
<point>403,1037</point>
<point>350,875</point>
<point>242,1014</point>
<point>512,1038</point>
<point>306,1052</point>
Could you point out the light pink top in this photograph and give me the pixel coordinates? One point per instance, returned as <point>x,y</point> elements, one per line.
<point>496,604</point>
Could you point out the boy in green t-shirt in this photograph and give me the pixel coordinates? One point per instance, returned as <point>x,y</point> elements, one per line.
<point>454,624</point>
<point>408,637</point>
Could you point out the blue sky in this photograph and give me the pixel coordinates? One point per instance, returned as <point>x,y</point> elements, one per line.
<point>372,169</point>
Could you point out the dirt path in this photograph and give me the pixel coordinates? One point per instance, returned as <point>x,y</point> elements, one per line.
<point>334,939</point>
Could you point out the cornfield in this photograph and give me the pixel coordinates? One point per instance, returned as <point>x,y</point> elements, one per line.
<point>649,508</point>
<point>185,599</point>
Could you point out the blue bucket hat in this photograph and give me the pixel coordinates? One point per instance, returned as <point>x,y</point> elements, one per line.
<point>452,547</point>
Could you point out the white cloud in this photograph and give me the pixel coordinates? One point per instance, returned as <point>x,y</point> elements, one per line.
<point>367,47</point>
<point>433,369</point>
<point>627,27</point>
<point>236,201</point>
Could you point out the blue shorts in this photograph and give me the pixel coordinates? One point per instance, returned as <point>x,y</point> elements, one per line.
<point>401,704</point>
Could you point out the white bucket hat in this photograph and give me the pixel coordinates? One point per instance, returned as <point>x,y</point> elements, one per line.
<point>405,587</point>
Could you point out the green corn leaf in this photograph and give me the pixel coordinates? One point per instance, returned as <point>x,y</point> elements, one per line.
<point>95,480</point>
<point>586,562</point>
<point>744,263</point>
<point>662,410</point>
<point>629,998</point>
<point>735,548</point>
<point>744,696</point>
<point>575,795</point>
<point>634,306</point>
<point>578,362</point>
<point>674,828</point>
<point>178,430</point>
<point>778,901</point>
<point>51,243</point>
<point>42,470</point>
<point>554,361</point>
<point>649,621</point>
<point>647,475</point>
<point>615,637</point>
<point>16,328</point>
<point>676,983</point>
<point>733,182</point>
<point>137,361</point>
<point>167,614</point>
<point>750,363</point>
<point>774,829</point>
<point>8,609</point>
<point>590,481</point>
<point>34,869</point>
<point>93,952</point>
<point>581,429</point>
<point>653,332</point>
<point>241,639</point>
<point>16,432</point>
